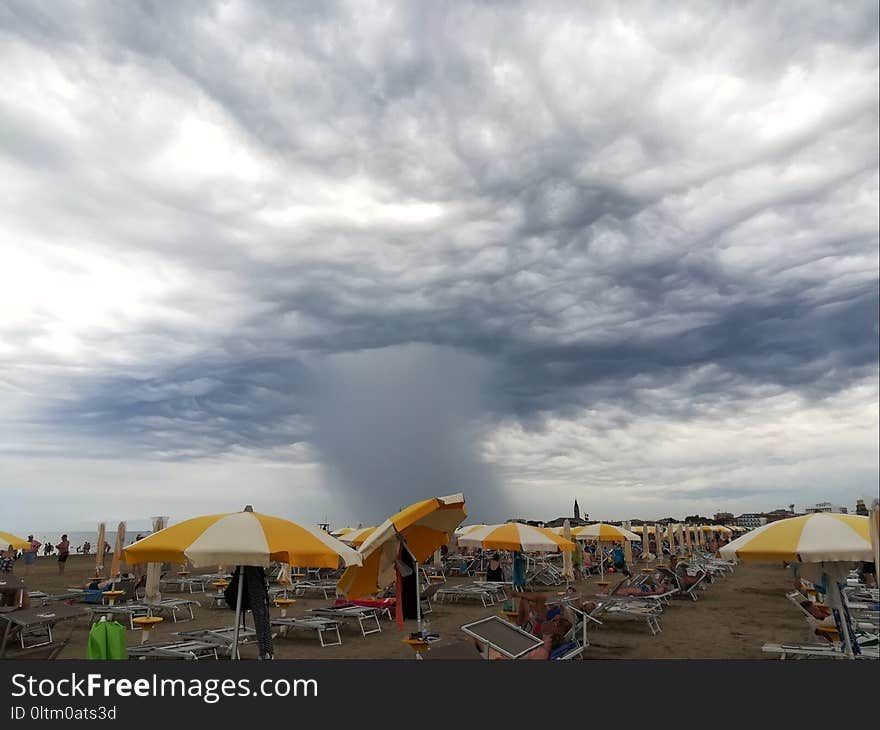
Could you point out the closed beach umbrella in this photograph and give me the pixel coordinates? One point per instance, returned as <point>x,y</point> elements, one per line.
<point>874,517</point>
<point>99,550</point>
<point>516,536</point>
<point>421,529</point>
<point>658,536</point>
<point>627,544</point>
<point>567,571</point>
<point>245,538</point>
<point>680,532</point>
<point>117,549</point>
<point>356,537</point>
<point>18,543</point>
<point>833,541</point>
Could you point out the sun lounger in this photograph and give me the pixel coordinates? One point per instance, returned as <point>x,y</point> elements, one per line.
<point>349,612</point>
<point>502,636</point>
<point>35,623</point>
<point>221,638</point>
<point>310,623</point>
<point>487,594</point>
<point>640,611</point>
<point>130,612</point>
<point>172,606</point>
<point>814,651</point>
<point>326,588</point>
<point>192,649</point>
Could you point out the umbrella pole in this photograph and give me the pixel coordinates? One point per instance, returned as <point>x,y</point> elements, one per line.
<point>840,615</point>
<point>234,654</point>
<point>418,591</point>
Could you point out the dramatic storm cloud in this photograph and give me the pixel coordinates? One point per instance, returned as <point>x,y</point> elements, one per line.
<point>329,258</point>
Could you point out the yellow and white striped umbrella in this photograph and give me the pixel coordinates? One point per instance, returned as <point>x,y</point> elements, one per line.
<point>357,536</point>
<point>716,528</point>
<point>242,538</point>
<point>342,531</point>
<point>813,538</point>
<point>425,527</point>
<point>603,533</point>
<point>516,536</point>
<point>464,530</point>
<point>18,543</point>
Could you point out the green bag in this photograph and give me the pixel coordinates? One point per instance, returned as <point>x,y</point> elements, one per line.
<point>107,640</point>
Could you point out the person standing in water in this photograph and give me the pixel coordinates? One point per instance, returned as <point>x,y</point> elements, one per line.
<point>63,548</point>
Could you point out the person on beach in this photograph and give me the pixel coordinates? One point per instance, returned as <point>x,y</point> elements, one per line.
<point>47,549</point>
<point>7,560</point>
<point>30,554</point>
<point>619,559</point>
<point>63,549</point>
<point>495,572</point>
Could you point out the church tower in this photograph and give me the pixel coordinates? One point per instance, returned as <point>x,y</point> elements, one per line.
<point>577,510</point>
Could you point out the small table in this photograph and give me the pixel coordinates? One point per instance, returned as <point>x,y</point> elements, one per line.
<point>481,576</point>
<point>284,604</point>
<point>437,578</point>
<point>417,645</point>
<point>511,616</point>
<point>647,571</point>
<point>112,596</point>
<point>147,624</point>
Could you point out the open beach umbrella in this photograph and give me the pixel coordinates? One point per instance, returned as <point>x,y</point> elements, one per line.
<point>244,538</point>
<point>342,531</point>
<point>832,541</point>
<point>603,533</point>
<point>18,543</point>
<point>356,537</point>
<point>420,529</point>
<point>518,537</point>
<point>465,529</point>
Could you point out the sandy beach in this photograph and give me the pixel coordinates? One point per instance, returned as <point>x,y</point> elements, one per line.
<point>731,620</point>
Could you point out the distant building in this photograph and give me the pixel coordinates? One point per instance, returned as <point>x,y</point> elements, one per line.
<point>860,508</point>
<point>723,518</point>
<point>751,520</point>
<point>826,507</point>
<point>778,514</point>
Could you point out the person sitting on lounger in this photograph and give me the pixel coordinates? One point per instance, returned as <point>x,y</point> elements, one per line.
<point>553,633</point>
<point>680,570</point>
<point>647,588</point>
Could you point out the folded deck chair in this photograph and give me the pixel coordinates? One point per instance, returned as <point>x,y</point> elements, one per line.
<point>221,638</point>
<point>496,633</point>
<point>191,649</point>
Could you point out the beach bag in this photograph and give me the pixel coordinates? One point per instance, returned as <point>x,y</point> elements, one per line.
<point>107,640</point>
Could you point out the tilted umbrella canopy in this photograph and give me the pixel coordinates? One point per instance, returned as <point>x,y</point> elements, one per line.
<point>516,536</point>
<point>357,537</point>
<point>18,543</point>
<point>603,533</point>
<point>874,527</point>
<point>813,538</point>
<point>425,526</point>
<point>241,538</point>
<point>342,531</point>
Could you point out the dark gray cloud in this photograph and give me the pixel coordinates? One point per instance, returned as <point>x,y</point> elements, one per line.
<point>229,224</point>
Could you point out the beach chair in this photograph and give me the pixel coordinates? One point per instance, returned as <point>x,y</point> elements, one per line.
<point>33,626</point>
<point>812,651</point>
<point>221,638</point>
<point>365,617</point>
<point>191,649</point>
<point>326,588</point>
<point>129,612</point>
<point>172,606</point>
<point>495,633</point>
<point>637,610</point>
<point>310,623</point>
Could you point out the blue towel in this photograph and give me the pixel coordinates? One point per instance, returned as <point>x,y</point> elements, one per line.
<point>519,570</point>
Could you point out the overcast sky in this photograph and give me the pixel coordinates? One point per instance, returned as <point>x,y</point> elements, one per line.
<point>333,258</point>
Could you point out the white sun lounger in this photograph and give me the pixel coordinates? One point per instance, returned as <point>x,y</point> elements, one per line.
<point>363,615</point>
<point>313,623</point>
